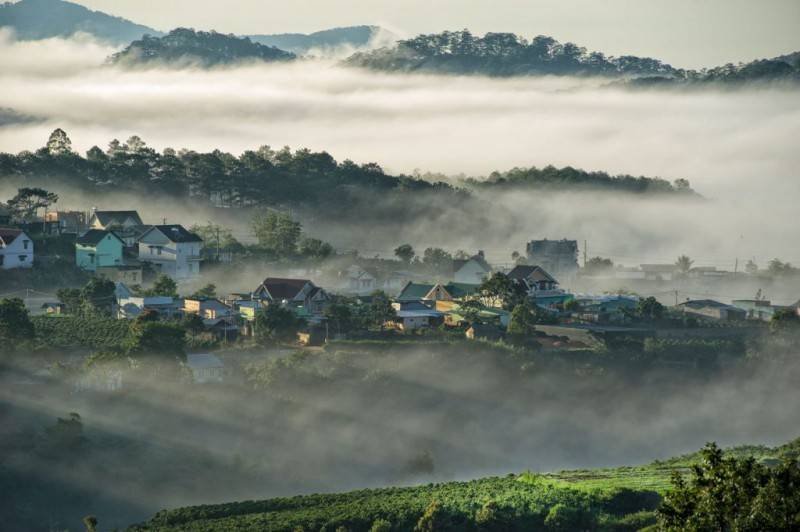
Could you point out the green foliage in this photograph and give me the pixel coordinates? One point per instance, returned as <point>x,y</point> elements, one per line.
<point>649,309</point>
<point>340,316</point>
<point>730,493</point>
<point>433,519</point>
<point>155,339</point>
<point>499,290</point>
<point>208,291</point>
<point>85,330</point>
<point>777,268</point>
<point>785,321</point>
<point>381,309</point>
<point>27,202</point>
<point>164,285</point>
<point>381,525</point>
<point>437,260</point>
<point>15,322</point>
<point>570,178</point>
<point>522,322</point>
<point>405,253</point>
<point>98,294</point>
<point>90,522</point>
<point>568,518</point>
<point>597,266</point>
<point>197,47</point>
<point>277,232</point>
<point>277,324</point>
<point>684,264</point>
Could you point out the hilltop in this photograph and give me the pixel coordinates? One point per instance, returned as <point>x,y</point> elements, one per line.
<point>43,19</point>
<point>183,45</point>
<point>507,54</point>
<point>302,43</point>
<point>618,499</point>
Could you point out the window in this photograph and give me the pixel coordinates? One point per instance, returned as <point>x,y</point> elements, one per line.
<point>158,250</point>
<point>91,258</point>
<point>1,259</point>
<point>25,244</point>
<point>23,258</point>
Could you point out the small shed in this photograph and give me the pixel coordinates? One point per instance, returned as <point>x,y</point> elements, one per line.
<point>205,368</point>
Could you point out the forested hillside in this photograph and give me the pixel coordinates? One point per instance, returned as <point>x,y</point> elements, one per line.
<point>42,19</point>
<point>502,54</point>
<point>276,178</point>
<point>187,46</point>
<point>507,54</point>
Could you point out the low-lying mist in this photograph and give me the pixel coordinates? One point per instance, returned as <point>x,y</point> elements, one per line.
<point>354,418</point>
<point>737,147</point>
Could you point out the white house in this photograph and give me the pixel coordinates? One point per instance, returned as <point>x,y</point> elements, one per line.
<point>472,270</point>
<point>172,250</point>
<point>113,219</point>
<point>293,292</point>
<point>358,280</point>
<point>205,368</point>
<point>16,249</point>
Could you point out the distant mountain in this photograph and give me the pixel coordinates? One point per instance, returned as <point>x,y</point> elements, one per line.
<point>352,37</point>
<point>502,54</point>
<point>42,19</point>
<point>202,48</point>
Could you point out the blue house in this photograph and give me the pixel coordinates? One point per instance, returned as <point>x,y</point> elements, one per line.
<point>98,248</point>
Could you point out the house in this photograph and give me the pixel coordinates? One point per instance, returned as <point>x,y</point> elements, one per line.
<point>59,222</point>
<point>132,233</point>
<point>757,309</point>
<point>659,272</point>
<point>604,308</point>
<point>16,249</point>
<point>557,256</point>
<point>125,273</point>
<point>207,308</point>
<point>98,248</point>
<point>205,368</point>
<point>53,307</point>
<point>708,308</point>
<point>356,279</point>
<point>482,331</point>
<point>472,270</point>
<point>436,292</point>
<point>295,293</point>
<point>414,315</point>
<point>132,306</point>
<point>172,250</point>
<point>113,219</point>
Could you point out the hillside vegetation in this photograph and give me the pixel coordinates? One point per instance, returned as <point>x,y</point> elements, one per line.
<point>187,46</point>
<point>507,54</point>
<point>611,499</point>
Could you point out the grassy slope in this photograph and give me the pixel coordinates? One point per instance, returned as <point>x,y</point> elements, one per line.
<point>617,499</point>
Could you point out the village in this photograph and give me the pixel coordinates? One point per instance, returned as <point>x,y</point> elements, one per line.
<point>529,302</point>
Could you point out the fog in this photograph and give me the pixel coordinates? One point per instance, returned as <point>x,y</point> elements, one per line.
<point>350,419</point>
<point>737,147</point>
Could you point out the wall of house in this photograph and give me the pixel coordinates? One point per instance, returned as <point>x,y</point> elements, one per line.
<point>470,273</point>
<point>178,260</point>
<point>18,254</point>
<point>108,252</point>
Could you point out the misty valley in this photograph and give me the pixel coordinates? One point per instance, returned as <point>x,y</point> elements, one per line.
<point>357,269</point>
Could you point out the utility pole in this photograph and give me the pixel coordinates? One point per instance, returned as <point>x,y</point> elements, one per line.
<point>676,298</point>
<point>736,266</point>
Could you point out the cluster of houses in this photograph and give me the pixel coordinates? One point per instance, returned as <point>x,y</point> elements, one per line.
<point>115,244</point>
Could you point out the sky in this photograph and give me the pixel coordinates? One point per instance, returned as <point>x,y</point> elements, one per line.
<point>685,33</point>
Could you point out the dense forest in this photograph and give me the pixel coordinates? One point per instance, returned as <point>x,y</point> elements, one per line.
<point>507,54</point>
<point>502,54</point>
<point>183,45</point>
<point>301,43</point>
<point>273,178</point>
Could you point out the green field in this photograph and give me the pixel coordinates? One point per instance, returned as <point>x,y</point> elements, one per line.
<point>616,499</point>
